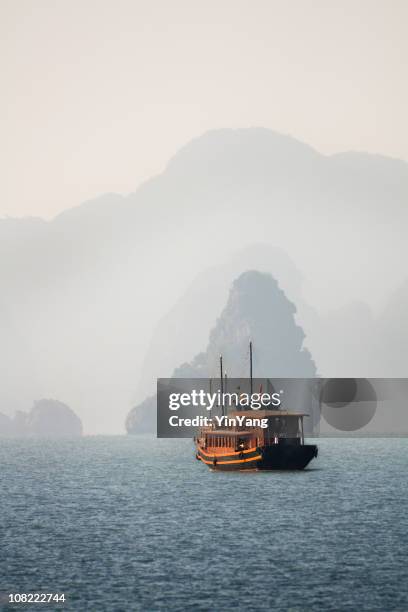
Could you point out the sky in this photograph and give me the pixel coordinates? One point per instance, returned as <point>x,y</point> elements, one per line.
<point>97,95</point>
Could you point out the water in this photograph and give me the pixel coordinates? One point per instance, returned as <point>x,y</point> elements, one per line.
<point>139,524</point>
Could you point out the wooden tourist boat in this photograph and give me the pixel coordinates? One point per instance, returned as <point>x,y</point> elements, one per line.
<point>242,444</point>
<point>279,446</point>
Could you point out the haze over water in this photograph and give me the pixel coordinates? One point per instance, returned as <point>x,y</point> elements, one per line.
<point>136,523</point>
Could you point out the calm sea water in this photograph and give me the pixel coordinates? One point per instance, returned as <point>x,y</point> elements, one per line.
<point>138,524</point>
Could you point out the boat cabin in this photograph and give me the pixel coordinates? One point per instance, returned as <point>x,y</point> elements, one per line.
<point>282,427</point>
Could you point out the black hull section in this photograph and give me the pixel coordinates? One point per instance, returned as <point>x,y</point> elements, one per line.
<point>287,457</point>
<point>276,457</point>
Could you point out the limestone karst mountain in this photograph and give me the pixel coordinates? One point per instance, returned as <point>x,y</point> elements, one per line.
<point>188,322</point>
<point>257,309</point>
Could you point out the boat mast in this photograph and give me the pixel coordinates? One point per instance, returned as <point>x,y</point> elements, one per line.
<point>222,386</point>
<point>226,391</point>
<point>250,364</point>
<point>211,395</point>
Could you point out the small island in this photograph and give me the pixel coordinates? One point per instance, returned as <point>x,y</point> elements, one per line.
<point>48,418</point>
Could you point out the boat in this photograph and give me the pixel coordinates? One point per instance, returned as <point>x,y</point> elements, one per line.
<point>278,444</point>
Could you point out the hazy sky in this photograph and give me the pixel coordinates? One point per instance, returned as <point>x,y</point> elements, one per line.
<point>98,94</point>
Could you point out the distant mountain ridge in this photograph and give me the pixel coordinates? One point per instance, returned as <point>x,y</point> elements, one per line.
<point>82,294</point>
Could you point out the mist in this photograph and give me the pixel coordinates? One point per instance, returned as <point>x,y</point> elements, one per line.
<point>84,295</point>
